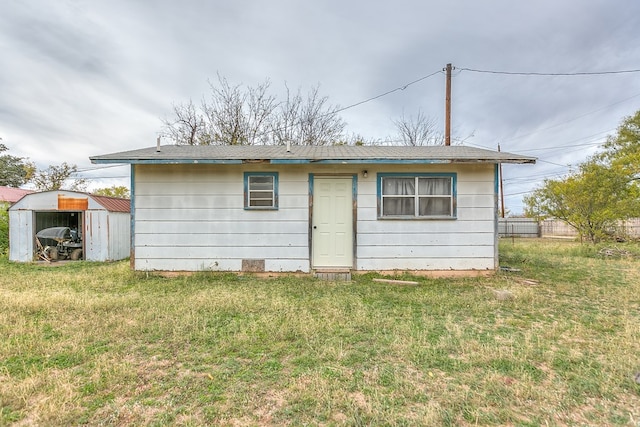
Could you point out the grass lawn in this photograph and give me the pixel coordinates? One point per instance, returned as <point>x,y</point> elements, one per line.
<point>97,344</point>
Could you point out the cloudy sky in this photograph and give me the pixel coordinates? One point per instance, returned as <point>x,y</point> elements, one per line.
<point>85,77</point>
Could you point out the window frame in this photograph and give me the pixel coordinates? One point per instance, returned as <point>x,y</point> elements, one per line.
<point>247,191</point>
<point>380,197</point>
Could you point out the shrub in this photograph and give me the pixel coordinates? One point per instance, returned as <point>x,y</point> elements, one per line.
<point>4,228</point>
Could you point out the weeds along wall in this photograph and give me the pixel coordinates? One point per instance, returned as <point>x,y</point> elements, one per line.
<point>4,228</point>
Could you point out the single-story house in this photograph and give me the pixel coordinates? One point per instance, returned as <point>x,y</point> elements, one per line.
<point>103,223</point>
<point>314,209</point>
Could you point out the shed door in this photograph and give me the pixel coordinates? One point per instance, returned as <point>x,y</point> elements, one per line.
<point>332,223</point>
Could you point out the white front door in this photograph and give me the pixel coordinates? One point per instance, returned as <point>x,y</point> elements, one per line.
<point>332,222</point>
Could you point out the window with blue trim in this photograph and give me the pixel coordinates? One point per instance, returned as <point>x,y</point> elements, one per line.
<point>261,190</point>
<point>411,196</point>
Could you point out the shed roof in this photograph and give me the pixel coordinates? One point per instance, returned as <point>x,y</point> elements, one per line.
<point>278,154</point>
<point>113,204</point>
<point>50,200</point>
<point>12,195</point>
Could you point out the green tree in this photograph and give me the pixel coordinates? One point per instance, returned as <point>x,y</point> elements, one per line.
<point>623,149</point>
<point>59,178</point>
<point>604,191</point>
<point>622,155</point>
<point>114,191</point>
<point>591,200</point>
<point>14,171</point>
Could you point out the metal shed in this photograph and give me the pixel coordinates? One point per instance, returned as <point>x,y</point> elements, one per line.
<point>103,222</point>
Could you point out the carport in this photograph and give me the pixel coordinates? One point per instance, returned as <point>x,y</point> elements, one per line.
<point>104,223</point>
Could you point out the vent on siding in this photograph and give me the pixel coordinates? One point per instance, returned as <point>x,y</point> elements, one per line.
<point>336,275</point>
<point>253,265</point>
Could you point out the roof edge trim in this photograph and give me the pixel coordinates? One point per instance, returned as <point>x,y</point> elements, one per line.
<point>306,161</point>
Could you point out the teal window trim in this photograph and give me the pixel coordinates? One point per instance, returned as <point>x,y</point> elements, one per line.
<point>258,194</point>
<point>453,206</point>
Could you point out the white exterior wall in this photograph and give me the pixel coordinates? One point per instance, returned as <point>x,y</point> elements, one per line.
<point>192,217</point>
<point>465,243</point>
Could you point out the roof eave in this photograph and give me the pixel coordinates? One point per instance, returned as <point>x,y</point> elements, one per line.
<point>308,161</point>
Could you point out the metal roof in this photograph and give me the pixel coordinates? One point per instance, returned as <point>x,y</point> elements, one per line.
<point>113,204</point>
<point>12,195</point>
<point>278,154</point>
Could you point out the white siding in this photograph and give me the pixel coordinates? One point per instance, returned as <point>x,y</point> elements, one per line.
<point>464,243</point>
<point>192,217</point>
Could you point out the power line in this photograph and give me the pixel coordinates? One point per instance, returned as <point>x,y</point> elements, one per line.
<point>529,73</point>
<point>551,163</point>
<point>560,147</point>
<point>534,177</point>
<point>373,98</point>
<point>388,92</point>
<point>576,118</point>
<point>101,177</point>
<point>405,86</point>
<point>519,194</point>
<point>93,168</point>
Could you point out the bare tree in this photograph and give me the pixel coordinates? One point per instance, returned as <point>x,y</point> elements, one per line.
<point>319,122</point>
<point>417,131</point>
<point>188,126</point>
<point>239,117</point>
<point>286,119</point>
<point>308,121</point>
<point>59,178</point>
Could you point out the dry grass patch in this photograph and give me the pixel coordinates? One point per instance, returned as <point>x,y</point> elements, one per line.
<point>97,344</point>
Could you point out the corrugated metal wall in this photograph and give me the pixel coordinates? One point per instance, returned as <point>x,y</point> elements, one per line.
<point>518,227</point>
<point>101,240</point>
<point>21,232</point>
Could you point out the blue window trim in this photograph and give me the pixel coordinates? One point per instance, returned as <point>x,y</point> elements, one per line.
<point>454,194</point>
<point>274,175</point>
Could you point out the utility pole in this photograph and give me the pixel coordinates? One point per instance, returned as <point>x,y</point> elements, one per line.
<point>501,188</point>
<point>447,108</point>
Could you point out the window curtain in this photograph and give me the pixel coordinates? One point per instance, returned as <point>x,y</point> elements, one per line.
<point>398,205</point>
<point>433,195</point>
<point>434,206</point>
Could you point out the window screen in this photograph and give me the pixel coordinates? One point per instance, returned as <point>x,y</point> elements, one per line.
<point>261,191</point>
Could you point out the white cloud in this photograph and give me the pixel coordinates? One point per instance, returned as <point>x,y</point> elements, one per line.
<point>81,78</point>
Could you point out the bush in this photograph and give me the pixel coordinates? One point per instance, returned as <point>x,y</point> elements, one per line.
<point>4,228</point>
